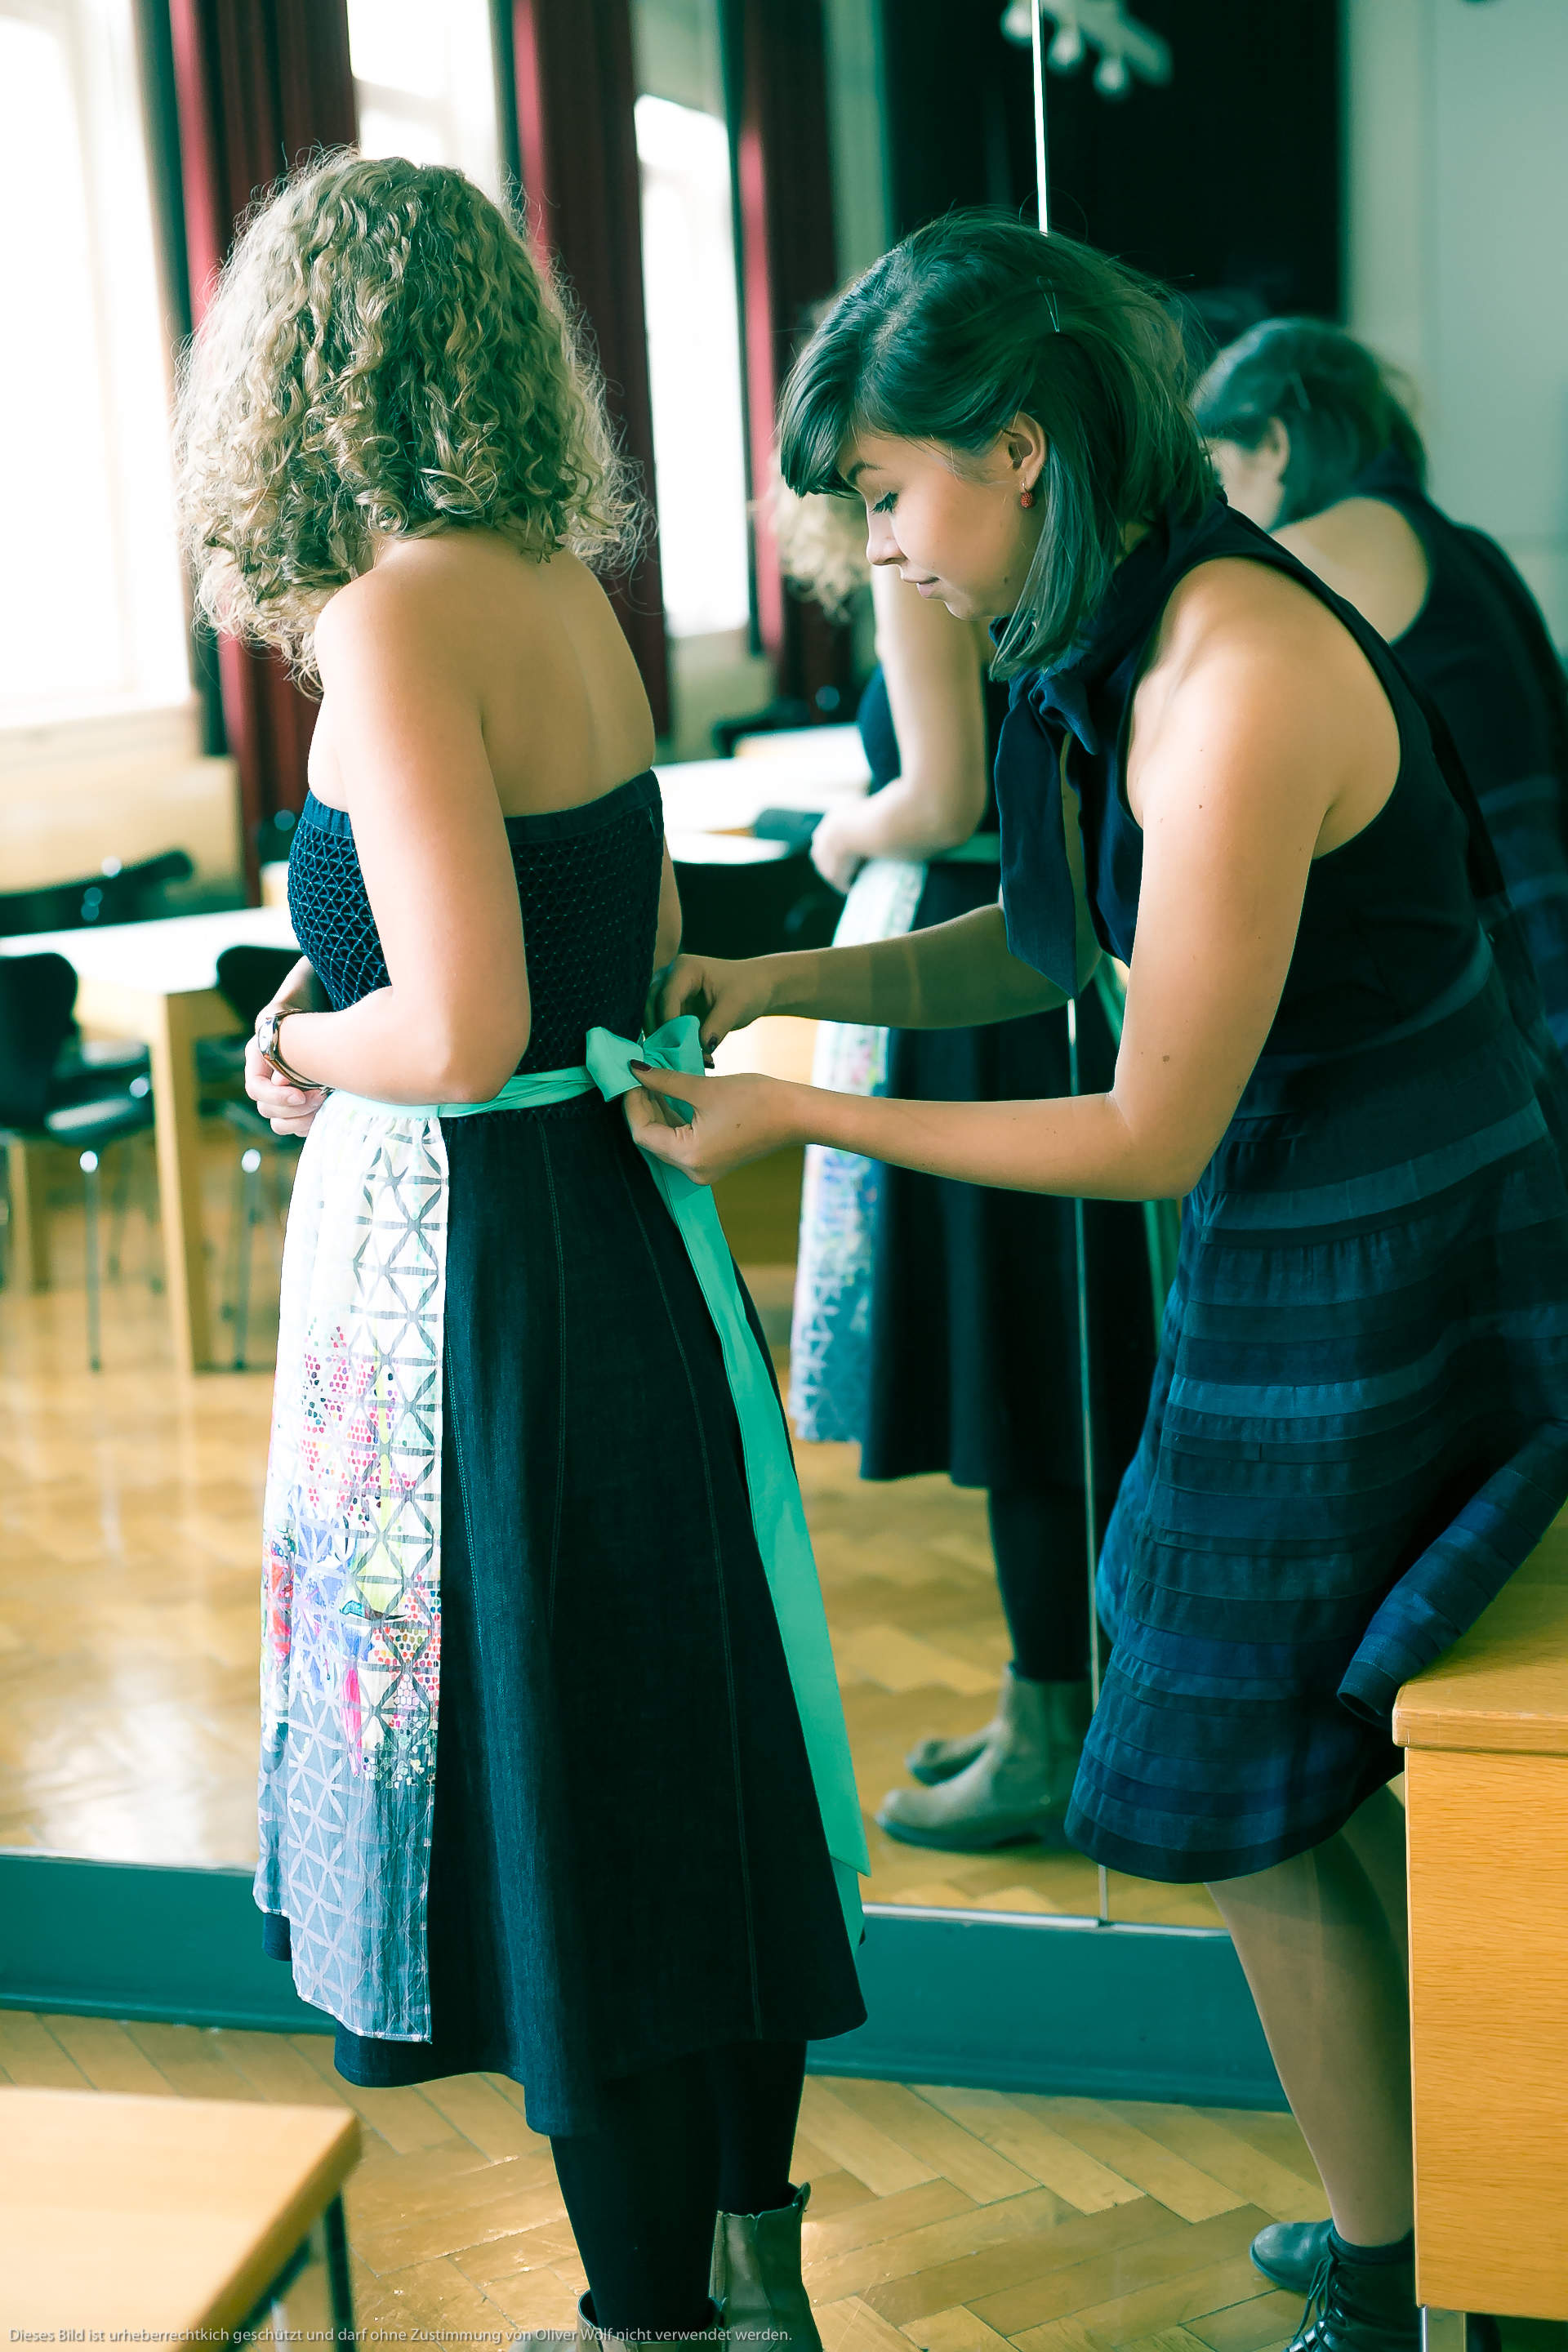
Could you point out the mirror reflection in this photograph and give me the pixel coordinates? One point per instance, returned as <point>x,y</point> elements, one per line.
<point>966,1369</point>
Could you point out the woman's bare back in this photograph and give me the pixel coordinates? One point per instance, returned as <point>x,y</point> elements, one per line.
<point>564,714</point>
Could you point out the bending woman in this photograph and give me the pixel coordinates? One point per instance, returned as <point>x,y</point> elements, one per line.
<point>936,1324</point>
<point>1311,440</point>
<point>554,1779</point>
<point>1214,769</point>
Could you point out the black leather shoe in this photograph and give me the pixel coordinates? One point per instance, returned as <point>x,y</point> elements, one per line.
<point>1288,2252</point>
<point>1359,2307</point>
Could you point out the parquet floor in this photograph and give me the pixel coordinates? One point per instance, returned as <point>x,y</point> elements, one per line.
<point>959,2221</point>
<point>129,1504</point>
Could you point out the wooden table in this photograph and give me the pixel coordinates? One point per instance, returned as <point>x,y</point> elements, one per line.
<point>158,982</point>
<point>1485,1737</point>
<point>164,2215</point>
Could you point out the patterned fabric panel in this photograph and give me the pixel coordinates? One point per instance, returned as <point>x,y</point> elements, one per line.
<point>830,1340</point>
<point>352,1603</point>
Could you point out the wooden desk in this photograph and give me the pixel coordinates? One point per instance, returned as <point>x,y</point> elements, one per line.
<point>158,982</point>
<point>729,795</point>
<point>158,2216</point>
<point>1486,1736</point>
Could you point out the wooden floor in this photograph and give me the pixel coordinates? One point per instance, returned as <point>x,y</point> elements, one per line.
<point>130,1509</point>
<point>949,2218</point>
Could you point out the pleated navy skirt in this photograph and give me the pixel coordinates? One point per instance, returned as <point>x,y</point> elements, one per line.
<point>1359,1426</point>
<point>973,1363</point>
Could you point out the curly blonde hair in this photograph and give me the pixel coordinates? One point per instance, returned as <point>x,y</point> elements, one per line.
<point>382,355</point>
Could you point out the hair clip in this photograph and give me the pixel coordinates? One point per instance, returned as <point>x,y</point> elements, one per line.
<point>1051,307</point>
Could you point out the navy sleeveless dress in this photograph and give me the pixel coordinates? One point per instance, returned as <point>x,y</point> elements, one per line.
<point>628,1861</point>
<point>974,1356</point>
<point>1480,648</point>
<point>1358,1422</point>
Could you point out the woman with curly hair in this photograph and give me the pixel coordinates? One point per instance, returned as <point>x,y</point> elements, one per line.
<point>553,1777</point>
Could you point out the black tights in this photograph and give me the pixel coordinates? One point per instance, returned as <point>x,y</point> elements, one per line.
<point>704,2135</point>
<point>1042,1572</point>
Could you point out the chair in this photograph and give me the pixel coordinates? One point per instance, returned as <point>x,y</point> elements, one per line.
<point>249,978</point>
<point>115,893</point>
<point>36,996</point>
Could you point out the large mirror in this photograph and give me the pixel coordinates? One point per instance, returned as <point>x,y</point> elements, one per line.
<point>1301,159</point>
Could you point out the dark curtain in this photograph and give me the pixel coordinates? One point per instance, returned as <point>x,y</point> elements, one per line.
<point>776,69</point>
<point>573,92</point>
<point>257,85</point>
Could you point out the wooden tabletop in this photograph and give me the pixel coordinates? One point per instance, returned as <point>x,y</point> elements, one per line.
<point>729,795</point>
<point>1503,1687</point>
<point>152,2214</point>
<point>176,956</point>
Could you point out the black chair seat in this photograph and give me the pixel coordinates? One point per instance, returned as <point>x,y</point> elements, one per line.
<point>116,894</point>
<point>88,1126</point>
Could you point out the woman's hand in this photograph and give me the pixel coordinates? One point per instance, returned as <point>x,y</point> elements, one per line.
<point>289,1110</point>
<point>835,852</point>
<point>723,995</point>
<point>734,1121</point>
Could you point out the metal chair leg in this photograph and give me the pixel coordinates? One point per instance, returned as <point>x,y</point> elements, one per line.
<point>334,2228</point>
<point>249,1208</point>
<point>88,1163</point>
<point>119,1200</point>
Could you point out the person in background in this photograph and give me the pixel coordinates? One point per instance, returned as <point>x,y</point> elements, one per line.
<point>554,1782</point>
<point>1313,442</point>
<point>1333,1049</point>
<point>936,1324</point>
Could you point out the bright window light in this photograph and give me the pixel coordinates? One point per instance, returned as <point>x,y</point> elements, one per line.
<point>694,366</point>
<point>91,607</point>
<point>425,79</point>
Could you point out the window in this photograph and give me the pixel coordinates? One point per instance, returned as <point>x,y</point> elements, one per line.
<point>694,365</point>
<point>93,615</point>
<point>424,81</point>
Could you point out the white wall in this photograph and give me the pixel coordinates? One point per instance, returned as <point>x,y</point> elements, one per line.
<point>1456,141</point>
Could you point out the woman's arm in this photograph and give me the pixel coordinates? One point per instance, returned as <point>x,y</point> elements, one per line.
<point>957,975</point>
<point>1268,722</point>
<point>932,664</point>
<point>411,767</point>
<point>290,1110</point>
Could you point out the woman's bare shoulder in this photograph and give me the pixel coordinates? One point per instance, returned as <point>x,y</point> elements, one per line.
<point>1236,610</point>
<point>1250,666</point>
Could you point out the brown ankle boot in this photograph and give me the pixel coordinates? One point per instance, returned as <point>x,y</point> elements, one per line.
<point>756,2280</point>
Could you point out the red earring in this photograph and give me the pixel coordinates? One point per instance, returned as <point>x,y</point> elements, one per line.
<point>1026,498</point>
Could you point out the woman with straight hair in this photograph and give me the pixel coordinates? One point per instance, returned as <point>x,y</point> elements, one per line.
<point>936,1324</point>
<point>1312,438</point>
<point>554,1780</point>
<point>1214,769</point>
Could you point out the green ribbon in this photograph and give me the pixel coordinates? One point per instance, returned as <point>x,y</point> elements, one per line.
<point>778,1516</point>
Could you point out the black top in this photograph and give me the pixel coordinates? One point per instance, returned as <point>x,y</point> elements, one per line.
<point>875,720</point>
<point>1389,919</point>
<point>588,878</point>
<point>1479,647</point>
